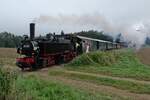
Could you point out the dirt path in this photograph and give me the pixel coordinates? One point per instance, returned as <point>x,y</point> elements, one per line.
<point>104,76</point>
<point>93,88</point>
<point>96,88</point>
<point>96,75</point>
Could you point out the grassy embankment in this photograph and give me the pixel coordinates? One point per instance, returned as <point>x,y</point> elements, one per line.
<point>120,63</point>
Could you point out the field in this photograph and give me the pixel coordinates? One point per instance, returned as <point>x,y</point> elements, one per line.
<point>112,75</point>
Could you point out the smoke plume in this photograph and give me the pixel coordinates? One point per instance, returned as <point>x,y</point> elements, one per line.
<point>133,33</point>
<point>72,23</point>
<point>136,33</point>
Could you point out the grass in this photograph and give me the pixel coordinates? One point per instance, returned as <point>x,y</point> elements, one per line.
<point>8,56</point>
<point>121,63</point>
<point>38,89</point>
<point>14,86</point>
<point>120,84</point>
<point>7,79</point>
<point>97,58</point>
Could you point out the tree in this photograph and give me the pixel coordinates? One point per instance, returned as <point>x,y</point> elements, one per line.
<point>9,40</point>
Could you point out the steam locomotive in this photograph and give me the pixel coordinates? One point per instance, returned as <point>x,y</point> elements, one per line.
<point>56,49</point>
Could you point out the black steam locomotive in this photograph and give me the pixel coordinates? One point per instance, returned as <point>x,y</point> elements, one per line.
<point>56,49</point>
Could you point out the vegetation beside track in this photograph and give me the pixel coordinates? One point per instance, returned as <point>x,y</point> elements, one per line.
<point>14,86</point>
<point>120,63</point>
<point>89,69</point>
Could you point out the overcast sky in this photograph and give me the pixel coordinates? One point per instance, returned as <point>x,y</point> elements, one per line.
<point>15,15</point>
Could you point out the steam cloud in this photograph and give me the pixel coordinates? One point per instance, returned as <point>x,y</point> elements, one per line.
<point>71,23</point>
<point>134,33</point>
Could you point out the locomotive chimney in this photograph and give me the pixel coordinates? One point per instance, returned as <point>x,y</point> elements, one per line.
<point>32,30</point>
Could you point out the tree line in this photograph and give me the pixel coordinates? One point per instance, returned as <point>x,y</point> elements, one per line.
<point>9,40</point>
<point>95,35</point>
